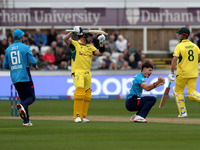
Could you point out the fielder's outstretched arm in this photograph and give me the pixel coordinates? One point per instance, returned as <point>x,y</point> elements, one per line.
<point>149,87</point>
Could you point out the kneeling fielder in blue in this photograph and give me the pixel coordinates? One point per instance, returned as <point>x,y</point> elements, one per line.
<point>16,60</point>
<point>134,101</point>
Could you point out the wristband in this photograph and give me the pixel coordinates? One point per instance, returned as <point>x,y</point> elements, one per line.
<point>102,49</point>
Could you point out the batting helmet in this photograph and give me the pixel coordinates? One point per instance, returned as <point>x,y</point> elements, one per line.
<point>86,35</point>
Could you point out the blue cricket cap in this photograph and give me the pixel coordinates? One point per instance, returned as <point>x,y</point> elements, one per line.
<point>17,34</point>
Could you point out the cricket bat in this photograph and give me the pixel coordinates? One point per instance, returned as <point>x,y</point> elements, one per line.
<point>165,95</point>
<point>90,31</point>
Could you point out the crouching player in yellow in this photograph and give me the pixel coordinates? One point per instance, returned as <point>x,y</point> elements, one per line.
<point>82,52</point>
<point>186,58</point>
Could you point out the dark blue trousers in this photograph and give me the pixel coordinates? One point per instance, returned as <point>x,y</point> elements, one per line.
<point>26,94</point>
<point>142,105</point>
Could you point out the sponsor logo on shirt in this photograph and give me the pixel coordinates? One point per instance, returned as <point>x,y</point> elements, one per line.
<point>16,67</point>
<point>84,54</point>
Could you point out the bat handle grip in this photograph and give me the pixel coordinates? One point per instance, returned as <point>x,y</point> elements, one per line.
<point>169,84</point>
<point>70,30</point>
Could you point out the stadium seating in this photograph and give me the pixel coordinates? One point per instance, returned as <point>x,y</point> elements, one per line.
<point>44,49</point>
<point>34,47</point>
<point>172,45</point>
<point>115,57</point>
<point>100,58</point>
<point>161,63</point>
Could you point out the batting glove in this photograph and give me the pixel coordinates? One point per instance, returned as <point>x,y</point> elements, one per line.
<point>101,38</point>
<point>171,77</point>
<point>78,29</point>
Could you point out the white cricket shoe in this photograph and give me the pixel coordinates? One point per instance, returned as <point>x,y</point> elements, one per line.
<point>85,120</point>
<point>29,124</point>
<point>183,115</point>
<point>132,118</point>
<point>22,111</point>
<point>77,120</point>
<point>140,119</point>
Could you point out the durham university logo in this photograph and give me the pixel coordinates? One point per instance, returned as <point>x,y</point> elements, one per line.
<point>132,15</point>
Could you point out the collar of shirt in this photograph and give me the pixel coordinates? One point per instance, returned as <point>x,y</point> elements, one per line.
<point>17,41</point>
<point>141,74</point>
<point>185,40</point>
<point>79,41</point>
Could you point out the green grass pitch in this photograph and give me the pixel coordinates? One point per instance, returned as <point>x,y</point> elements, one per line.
<point>63,134</point>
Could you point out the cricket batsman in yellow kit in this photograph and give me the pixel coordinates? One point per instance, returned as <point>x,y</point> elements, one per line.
<point>82,52</point>
<point>186,58</point>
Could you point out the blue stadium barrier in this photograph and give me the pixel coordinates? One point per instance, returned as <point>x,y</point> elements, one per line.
<point>103,87</point>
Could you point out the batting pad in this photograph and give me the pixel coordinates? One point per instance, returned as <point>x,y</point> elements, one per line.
<point>88,96</point>
<point>180,102</point>
<point>79,96</point>
<point>194,96</point>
